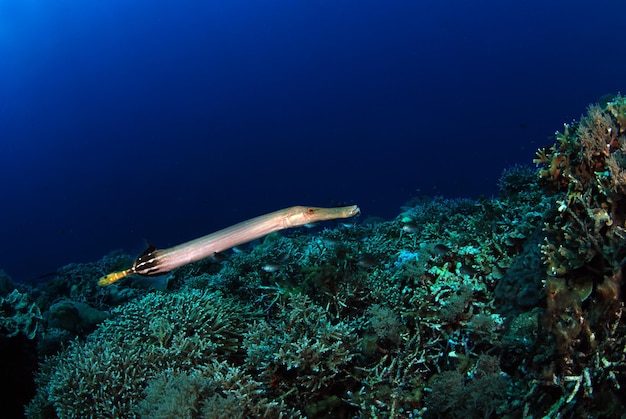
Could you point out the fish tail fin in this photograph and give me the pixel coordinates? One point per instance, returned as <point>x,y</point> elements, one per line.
<point>114,277</point>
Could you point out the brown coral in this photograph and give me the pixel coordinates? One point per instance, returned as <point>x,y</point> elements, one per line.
<point>584,248</point>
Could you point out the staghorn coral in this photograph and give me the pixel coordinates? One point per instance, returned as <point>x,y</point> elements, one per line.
<point>314,350</point>
<point>105,375</point>
<point>515,181</point>
<point>386,323</point>
<point>217,390</point>
<point>480,395</point>
<point>72,305</point>
<point>303,347</point>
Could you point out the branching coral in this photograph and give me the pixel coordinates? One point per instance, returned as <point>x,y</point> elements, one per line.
<point>105,376</point>
<point>454,395</point>
<point>304,347</point>
<point>386,323</point>
<point>585,247</point>
<point>216,390</point>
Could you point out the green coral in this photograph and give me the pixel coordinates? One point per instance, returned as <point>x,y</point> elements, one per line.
<point>217,390</point>
<point>303,348</point>
<point>105,376</point>
<point>387,324</point>
<point>391,318</point>
<point>453,395</point>
<point>19,315</point>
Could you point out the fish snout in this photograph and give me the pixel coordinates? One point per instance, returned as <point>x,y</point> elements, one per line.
<point>355,210</point>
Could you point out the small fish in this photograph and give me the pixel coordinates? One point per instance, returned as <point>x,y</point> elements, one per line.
<point>271,267</point>
<point>239,249</point>
<point>367,260</point>
<point>468,270</point>
<point>310,225</point>
<point>440,249</point>
<point>331,242</point>
<point>410,227</point>
<point>218,257</point>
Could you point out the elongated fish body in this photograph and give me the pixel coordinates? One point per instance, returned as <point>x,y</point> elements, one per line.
<point>154,261</point>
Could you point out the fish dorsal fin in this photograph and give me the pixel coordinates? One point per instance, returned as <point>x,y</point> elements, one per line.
<point>146,263</point>
<point>151,248</point>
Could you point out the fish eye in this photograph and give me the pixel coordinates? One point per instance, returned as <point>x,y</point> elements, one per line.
<point>310,210</point>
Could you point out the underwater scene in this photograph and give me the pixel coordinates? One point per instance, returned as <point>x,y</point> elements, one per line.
<point>283,209</point>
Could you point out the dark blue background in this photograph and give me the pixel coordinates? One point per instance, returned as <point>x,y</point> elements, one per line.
<point>127,120</point>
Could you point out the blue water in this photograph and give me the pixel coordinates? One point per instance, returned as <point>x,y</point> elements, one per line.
<point>123,120</point>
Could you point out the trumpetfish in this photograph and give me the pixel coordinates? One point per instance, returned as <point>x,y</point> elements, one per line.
<point>154,262</point>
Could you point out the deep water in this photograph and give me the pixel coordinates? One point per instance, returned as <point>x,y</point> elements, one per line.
<point>125,121</point>
<point>473,283</point>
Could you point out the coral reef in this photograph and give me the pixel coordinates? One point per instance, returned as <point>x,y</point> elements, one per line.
<point>21,327</point>
<point>105,376</point>
<point>475,395</point>
<point>19,315</point>
<point>584,252</point>
<point>500,307</point>
<point>302,350</point>
<point>216,390</point>
<point>353,321</point>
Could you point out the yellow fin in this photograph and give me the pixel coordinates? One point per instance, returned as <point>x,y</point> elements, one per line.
<point>114,277</point>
